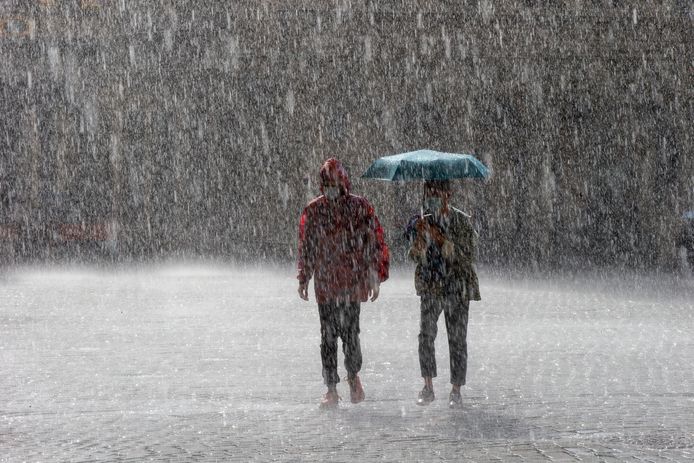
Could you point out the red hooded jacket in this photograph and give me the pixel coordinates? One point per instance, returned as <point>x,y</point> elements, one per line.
<point>341,242</point>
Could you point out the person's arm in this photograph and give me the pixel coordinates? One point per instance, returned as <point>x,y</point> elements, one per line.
<point>379,257</point>
<point>305,260</point>
<point>462,245</point>
<point>381,264</point>
<point>416,238</point>
<point>462,251</point>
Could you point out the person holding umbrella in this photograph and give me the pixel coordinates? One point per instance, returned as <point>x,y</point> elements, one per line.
<point>341,247</point>
<point>442,242</point>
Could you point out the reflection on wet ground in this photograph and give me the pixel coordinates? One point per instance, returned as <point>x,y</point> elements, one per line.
<point>207,363</point>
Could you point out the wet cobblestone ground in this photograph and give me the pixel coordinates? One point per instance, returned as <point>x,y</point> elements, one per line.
<point>210,364</point>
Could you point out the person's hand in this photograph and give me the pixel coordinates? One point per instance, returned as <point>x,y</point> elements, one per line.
<point>374,289</point>
<point>422,226</point>
<point>419,245</point>
<point>303,291</point>
<point>425,230</point>
<point>436,236</point>
<point>447,249</point>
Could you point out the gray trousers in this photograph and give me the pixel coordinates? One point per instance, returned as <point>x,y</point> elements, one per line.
<point>455,309</point>
<point>339,319</point>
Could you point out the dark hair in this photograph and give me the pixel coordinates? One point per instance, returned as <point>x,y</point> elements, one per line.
<point>438,185</point>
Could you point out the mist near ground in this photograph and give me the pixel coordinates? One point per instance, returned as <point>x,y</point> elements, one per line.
<point>205,361</point>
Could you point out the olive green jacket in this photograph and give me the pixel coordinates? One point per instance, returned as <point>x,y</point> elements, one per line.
<point>438,273</point>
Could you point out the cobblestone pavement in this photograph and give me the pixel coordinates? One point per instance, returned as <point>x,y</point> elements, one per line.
<point>209,364</point>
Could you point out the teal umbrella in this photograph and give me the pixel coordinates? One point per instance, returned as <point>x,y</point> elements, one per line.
<point>426,165</point>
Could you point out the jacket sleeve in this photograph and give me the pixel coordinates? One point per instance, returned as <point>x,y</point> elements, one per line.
<point>465,255</point>
<point>465,243</point>
<point>411,237</point>
<point>306,253</point>
<point>380,256</point>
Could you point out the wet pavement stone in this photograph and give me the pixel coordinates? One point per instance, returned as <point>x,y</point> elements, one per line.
<point>204,363</point>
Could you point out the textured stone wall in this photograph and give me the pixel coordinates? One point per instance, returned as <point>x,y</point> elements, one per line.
<point>200,126</point>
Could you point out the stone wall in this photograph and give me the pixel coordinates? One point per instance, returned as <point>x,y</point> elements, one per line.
<point>199,126</point>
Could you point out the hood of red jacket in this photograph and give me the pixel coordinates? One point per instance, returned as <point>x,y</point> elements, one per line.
<point>332,171</point>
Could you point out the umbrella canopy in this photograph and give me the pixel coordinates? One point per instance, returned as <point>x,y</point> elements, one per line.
<point>426,165</point>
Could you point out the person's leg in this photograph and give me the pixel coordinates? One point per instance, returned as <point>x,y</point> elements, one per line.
<point>351,347</point>
<point>328,350</point>
<point>349,332</point>
<point>456,314</point>
<point>430,309</point>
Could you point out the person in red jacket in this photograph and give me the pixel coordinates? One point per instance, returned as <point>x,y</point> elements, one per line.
<point>341,247</point>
